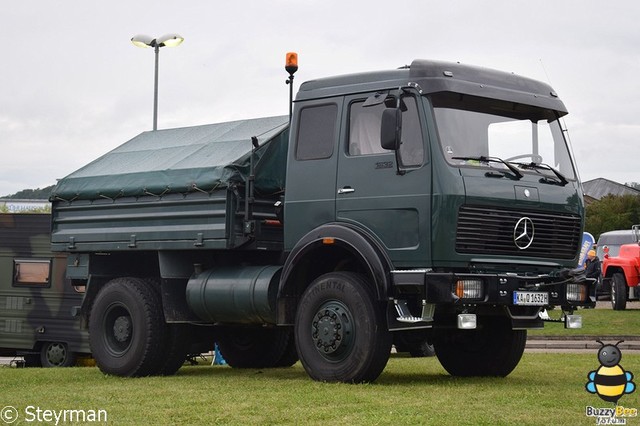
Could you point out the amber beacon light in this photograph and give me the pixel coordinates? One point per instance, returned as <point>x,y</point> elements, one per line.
<point>291,65</point>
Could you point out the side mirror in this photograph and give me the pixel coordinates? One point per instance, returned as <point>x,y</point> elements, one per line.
<point>391,129</point>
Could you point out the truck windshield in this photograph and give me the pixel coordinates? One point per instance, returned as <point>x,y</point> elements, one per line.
<point>471,127</point>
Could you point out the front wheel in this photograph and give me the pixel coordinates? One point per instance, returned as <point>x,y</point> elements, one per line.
<point>493,349</point>
<point>618,292</point>
<point>340,330</point>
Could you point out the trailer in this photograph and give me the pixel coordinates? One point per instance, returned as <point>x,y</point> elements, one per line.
<point>39,307</point>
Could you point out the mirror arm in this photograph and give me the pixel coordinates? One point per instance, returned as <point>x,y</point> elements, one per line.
<point>399,171</point>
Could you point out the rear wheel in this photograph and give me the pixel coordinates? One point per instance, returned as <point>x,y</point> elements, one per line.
<point>340,330</point>
<point>126,328</point>
<point>56,354</point>
<point>175,348</point>
<point>254,347</point>
<point>290,355</point>
<point>415,342</point>
<point>423,349</point>
<point>493,349</point>
<point>618,292</point>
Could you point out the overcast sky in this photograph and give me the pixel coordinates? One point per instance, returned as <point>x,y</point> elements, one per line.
<point>72,86</point>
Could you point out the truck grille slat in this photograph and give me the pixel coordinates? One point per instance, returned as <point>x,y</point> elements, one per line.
<point>487,230</point>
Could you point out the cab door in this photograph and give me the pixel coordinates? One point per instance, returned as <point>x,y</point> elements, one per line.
<point>388,198</point>
<point>311,173</point>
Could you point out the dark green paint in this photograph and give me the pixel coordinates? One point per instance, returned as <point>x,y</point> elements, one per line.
<point>31,315</point>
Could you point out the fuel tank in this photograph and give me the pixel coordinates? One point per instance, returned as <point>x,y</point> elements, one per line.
<point>235,294</point>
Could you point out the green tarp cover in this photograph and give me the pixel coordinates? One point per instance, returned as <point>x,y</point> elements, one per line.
<point>199,158</point>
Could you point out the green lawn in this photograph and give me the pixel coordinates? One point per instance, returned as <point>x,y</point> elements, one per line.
<point>596,322</point>
<point>544,389</point>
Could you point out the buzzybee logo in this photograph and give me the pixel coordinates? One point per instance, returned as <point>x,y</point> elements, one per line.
<point>610,381</point>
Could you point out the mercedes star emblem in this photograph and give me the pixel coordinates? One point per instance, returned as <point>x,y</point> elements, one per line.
<point>523,233</point>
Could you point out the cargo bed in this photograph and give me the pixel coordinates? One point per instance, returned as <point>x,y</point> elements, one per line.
<point>176,189</point>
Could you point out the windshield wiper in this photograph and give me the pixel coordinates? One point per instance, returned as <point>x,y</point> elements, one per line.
<point>484,159</point>
<point>562,180</point>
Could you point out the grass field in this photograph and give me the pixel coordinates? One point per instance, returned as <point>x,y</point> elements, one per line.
<point>598,322</point>
<point>544,389</point>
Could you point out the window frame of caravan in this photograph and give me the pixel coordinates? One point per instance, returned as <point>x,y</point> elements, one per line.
<point>18,261</point>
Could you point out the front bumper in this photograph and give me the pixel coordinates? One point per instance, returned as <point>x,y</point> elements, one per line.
<point>426,299</point>
<point>567,288</point>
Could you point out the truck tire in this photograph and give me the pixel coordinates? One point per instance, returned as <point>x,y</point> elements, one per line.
<point>618,292</point>
<point>254,347</point>
<point>340,330</point>
<point>175,348</point>
<point>56,354</point>
<point>176,342</point>
<point>414,342</point>
<point>126,328</point>
<point>493,349</point>
<point>423,349</point>
<point>290,355</point>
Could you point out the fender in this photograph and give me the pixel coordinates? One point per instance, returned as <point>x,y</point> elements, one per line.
<point>354,239</point>
<point>624,265</point>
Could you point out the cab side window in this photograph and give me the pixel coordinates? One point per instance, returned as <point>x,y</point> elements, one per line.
<point>316,132</point>
<point>364,131</point>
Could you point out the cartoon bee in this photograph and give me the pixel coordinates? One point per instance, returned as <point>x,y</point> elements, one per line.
<point>610,381</point>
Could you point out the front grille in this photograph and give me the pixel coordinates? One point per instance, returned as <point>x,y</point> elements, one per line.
<point>489,230</point>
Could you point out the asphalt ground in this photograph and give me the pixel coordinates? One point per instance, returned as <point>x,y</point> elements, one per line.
<point>581,343</point>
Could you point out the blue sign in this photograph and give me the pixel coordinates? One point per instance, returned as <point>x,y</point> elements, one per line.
<point>587,244</point>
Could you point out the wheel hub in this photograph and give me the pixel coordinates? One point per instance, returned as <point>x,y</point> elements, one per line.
<point>332,329</point>
<point>122,328</point>
<point>56,354</point>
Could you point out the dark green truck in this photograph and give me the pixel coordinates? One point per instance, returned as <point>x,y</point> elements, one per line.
<point>436,202</point>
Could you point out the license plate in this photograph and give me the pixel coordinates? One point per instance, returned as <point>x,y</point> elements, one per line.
<point>530,298</point>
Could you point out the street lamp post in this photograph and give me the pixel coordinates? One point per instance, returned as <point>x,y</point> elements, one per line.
<point>169,40</point>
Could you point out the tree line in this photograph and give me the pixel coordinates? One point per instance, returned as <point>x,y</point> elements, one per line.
<point>612,212</point>
<point>31,194</point>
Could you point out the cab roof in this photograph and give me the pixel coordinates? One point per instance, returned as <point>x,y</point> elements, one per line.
<point>440,76</point>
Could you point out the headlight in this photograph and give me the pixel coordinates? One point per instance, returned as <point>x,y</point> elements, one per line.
<point>576,292</point>
<point>469,289</point>
<point>573,321</point>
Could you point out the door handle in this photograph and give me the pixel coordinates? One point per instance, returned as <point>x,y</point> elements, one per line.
<point>346,190</point>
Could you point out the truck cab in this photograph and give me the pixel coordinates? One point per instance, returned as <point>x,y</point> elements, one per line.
<point>450,188</point>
